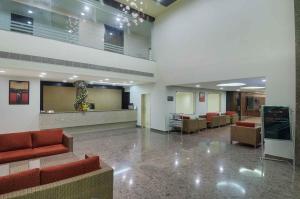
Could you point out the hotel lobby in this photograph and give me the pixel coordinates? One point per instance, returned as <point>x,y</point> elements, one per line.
<point>115,99</point>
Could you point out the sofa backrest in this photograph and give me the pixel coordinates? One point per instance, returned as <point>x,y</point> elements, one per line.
<point>47,137</point>
<point>15,141</point>
<point>18,181</point>
<point>209,116</point>
<point>245,124</point>
<point>230,113</point>
<point>64,171</point>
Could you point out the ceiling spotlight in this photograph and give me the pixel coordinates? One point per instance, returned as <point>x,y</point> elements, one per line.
<point>29,22</point>
<point>198,86</point>
<point>231,84</point>
<point>141,3</point>
<point>221,88</point>
<point>253,87</point>
<point>118,19</point>
<point>70,31</point>
<point>43,73</point>
<point>131,82</point>
<point>29,12</point>
<point>110,33</point>
<point>41,76</point>
<point>100,80</point>
<point>2,71</point>
<point>71,78</point>
<point>86,8</point>
<point>75,76</point>
<point>264,80</point>
<point>64,81</point>
<point>106,79</point>
<point>238,90</point>
<point>82,14</point>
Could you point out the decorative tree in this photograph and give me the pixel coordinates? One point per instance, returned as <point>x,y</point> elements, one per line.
<point>81,96</point>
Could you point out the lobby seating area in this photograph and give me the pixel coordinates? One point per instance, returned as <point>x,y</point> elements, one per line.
<point>41,164</point>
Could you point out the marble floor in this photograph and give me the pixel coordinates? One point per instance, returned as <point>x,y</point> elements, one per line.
<point>202,165</point>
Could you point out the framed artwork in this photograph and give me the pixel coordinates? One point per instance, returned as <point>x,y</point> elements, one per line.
<point>201,96</point>
<point>18,92</point>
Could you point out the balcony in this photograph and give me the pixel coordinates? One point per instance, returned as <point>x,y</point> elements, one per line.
<point>94,25</point>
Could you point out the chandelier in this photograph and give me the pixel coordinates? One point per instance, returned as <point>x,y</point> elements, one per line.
<point>135,10</point>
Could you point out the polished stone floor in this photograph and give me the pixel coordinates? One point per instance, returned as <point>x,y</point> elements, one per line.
<point>203,165</point>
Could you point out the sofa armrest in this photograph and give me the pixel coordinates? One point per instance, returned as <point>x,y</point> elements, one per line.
<point>68,141</point>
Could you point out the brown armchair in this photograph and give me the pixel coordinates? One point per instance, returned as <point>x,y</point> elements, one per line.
<point>190,125</point>
<point>245,133</point>
<point>223,120</point>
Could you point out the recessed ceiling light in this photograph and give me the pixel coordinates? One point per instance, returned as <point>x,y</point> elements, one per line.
<point>142,3</point>
<point>70,31</point>
<point>110,33</point>
<point>231,84</point>
<point>64,81</point>
<point>253,87</point>
<point>238,90</point>
<point>86,8</point>
<point>264,80</point>
<point>29,12</point>
<point>221,88</point>
<point>75,76</point>
<point>29,22</point>
<point>106,79</point>
<point>82,14</point>
<point>198,86</point>
<point>42,73</point>
<point>71,78</point>
<point>100,80</point>
<point>131,82</point>
<point>118,19</point>
<point>41,76</point>
<point>2,71</point>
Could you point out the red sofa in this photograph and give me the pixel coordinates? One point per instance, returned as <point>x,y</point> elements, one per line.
<point>37,177</point>
<point>27,145</point>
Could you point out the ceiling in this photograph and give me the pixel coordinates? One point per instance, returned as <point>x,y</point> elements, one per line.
<point>65,77</point>
<point>249,82</point>
<point>151,7</point>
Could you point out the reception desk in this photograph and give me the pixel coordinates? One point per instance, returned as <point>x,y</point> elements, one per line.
<point>74,119</point>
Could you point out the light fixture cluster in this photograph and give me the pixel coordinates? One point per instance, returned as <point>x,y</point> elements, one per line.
<point>135,9</point>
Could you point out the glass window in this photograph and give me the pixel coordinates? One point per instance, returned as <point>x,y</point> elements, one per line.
<point>185,103</point>
<point>214,102</point>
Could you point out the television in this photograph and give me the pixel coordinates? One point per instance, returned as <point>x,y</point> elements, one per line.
<point>276,121</point>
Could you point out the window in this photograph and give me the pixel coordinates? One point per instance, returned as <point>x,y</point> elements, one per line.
<point>114,40</point>
<point>21,24</point>
<point>185,103</point>
<point>214,102</point>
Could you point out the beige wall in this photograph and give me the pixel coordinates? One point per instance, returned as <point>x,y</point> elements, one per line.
<point>62,98</point>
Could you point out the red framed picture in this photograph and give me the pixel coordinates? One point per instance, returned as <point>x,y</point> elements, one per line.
<point>18,92</point>
<point>201,96</point>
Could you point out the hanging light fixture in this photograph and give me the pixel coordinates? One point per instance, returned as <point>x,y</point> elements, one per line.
<point>134,9</point>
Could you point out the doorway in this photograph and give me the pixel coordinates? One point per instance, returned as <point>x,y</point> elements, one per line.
<point>145,110</point>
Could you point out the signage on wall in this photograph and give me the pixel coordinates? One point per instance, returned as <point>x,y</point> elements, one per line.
<point>18,92</point>
<point>201,96</point>
<point>170,98</point>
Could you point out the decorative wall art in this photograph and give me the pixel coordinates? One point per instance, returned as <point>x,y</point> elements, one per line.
<point>18,92</point>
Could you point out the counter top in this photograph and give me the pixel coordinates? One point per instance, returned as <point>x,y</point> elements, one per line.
<point>87,111</point>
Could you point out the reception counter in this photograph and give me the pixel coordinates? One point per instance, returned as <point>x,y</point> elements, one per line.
<point>74,119</point>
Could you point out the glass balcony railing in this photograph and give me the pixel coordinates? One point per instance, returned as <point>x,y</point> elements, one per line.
<point>87,23</point>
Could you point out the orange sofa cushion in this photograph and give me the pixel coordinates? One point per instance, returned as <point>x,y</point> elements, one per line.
<point>15,141</point>
<point>18,181</point>
<point>49,150</point>
<point>47,137</point>
<point>64,171</point>
<point>231,113</point>
<point>209,116</point>
<point>12,156</point>
<point>245,124</point>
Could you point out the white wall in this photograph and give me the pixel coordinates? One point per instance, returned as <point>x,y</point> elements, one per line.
<point>136,45</point>
<point>16,118</point>
<point>212,40</point>
<point>91,34</point>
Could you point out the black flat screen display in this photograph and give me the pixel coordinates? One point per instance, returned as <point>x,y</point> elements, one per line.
<point>277,122</point>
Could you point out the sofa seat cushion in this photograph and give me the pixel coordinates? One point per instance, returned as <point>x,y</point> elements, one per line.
<point>245,124</point>
<point>64,171</point>
<point>15,141</point>
<point>49,150</point>
<point>12,156</point>
<point>18,181</point>
<point>47,137</point>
